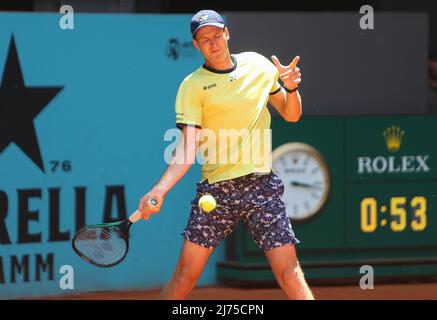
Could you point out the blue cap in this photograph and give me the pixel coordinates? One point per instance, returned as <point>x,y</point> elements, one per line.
<point>206,18</point>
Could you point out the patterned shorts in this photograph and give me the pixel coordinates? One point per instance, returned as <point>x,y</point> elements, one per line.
<point>254,198</point>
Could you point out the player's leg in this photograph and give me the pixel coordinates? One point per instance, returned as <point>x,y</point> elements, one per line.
<point>271,230</point>
<point>192,261</point>
<point>203,233</point>
<point>288,273</point>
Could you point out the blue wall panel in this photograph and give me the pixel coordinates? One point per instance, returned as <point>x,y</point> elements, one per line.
<point>119,75</point>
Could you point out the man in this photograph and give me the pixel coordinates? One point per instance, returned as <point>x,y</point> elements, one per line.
<point>230,92</point>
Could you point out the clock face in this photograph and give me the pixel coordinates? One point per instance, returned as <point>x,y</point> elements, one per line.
<point>305,175</point>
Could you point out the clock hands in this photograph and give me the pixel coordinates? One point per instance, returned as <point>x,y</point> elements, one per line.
<point>305,185</point>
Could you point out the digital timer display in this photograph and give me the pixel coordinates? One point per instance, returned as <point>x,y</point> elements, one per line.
<point>393,214</point>
<point>400,214</point>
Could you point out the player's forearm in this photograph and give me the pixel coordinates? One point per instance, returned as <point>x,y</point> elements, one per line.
<point>171,176</point>
<point>292,107</point>
<point>181,161</point>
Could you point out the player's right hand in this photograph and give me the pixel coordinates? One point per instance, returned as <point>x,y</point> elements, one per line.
<point>146,206</point>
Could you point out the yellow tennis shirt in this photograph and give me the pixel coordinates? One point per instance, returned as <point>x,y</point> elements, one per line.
<point>231,108</point>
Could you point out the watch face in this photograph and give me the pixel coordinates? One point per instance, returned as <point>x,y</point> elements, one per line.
<point>305,175</point>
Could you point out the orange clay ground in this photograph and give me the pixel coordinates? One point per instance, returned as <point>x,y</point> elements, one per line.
<point>408,291</point>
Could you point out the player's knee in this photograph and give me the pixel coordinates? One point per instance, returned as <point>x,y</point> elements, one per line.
<point>186,277</point>
<point>184,283</point>
<point>291,276</point>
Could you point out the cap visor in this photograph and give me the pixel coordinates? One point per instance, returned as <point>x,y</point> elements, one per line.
<point>215,24</point>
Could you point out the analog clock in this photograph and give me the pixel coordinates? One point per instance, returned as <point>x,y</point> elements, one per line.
<point>306,179</point>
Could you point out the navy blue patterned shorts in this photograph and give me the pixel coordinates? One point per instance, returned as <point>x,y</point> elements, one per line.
<point>254,198</point>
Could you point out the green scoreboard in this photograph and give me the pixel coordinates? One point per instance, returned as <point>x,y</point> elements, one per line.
<point>359,191</point>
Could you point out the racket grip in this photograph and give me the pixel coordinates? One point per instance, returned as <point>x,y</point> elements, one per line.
<point>137,215</point>
<point>134,217</point>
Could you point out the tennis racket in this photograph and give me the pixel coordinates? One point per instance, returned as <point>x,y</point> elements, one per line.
<point>106,244</point>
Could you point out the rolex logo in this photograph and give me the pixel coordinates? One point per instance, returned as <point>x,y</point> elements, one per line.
<point>393,138</point>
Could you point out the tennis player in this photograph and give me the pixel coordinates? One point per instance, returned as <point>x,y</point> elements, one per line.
<point>231,92</point>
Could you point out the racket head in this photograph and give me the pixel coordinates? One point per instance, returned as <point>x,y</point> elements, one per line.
<point>103,245</point>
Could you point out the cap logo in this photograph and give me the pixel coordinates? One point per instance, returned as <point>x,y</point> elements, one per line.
<point>203,18</point>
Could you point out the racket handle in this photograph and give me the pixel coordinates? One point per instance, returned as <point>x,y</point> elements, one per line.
<point>137,215</point>
<point>134,217</point>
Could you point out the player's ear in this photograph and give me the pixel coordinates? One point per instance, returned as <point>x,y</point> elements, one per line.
<point>196,44</point>
<point>227,33</point>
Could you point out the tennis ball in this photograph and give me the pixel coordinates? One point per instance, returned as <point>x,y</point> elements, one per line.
<point>207,203</point>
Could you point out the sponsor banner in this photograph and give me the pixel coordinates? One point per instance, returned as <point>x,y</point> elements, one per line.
<point>391,148</point>
<point>83,113</point>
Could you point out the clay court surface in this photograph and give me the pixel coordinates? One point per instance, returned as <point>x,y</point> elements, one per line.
<point>404,291</point>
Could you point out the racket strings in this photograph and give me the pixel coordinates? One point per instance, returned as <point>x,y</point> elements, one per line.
<point>102,245</point>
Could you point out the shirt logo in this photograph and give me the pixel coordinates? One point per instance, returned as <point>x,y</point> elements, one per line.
<point>209,86</point>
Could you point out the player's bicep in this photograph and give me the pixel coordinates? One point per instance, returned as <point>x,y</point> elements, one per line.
<point>188,105</point>
<point>188,145</point>
<point>191,135</point>
<point>277,96</point>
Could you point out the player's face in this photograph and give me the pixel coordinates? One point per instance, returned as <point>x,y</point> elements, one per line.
<point>212,42</point>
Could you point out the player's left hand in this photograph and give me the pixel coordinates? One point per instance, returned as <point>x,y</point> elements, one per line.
<point>290,75</point>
